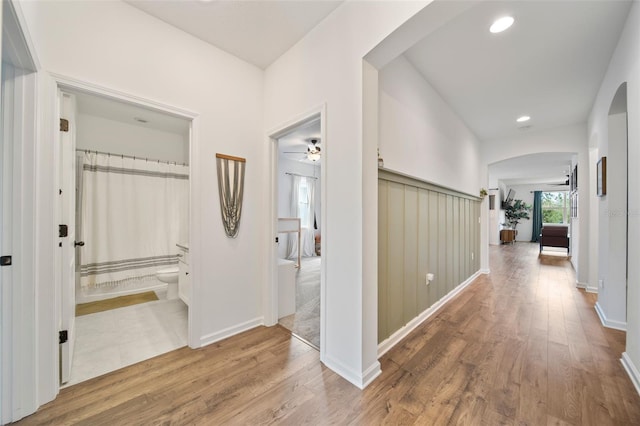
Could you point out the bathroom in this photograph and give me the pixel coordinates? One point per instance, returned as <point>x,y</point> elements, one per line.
<point>131,232</point>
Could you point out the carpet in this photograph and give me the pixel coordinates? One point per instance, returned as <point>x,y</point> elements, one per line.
<point>305,322</point>
<point>115,303</point>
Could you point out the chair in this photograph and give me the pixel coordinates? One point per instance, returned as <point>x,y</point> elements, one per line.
<point>554,236</point>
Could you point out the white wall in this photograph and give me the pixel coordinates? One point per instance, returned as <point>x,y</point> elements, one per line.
<point>326,67</point>
<point>116,46</point>
<point>613,219</point>
<point>524,193</point>
<point>420,135</point>
<point>285,166</point>
<point>624,67</point>
<point>102,134</point>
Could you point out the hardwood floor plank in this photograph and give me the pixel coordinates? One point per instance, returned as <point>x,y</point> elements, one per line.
<point>521,346</point>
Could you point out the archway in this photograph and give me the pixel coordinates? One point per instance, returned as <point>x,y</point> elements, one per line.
<point>612,280</point>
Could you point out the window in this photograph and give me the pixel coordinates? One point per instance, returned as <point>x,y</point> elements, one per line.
<point>304,211</point>
<point>555,207</point>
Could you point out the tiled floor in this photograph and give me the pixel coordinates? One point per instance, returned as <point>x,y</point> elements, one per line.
<point>107,341</point>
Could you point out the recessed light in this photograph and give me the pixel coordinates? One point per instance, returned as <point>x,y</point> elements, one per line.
<point>523,119</point>
<point>501,24</point>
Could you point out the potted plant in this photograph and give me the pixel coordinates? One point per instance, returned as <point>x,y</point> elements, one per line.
<point>514,212</point>
<point>483,193</point>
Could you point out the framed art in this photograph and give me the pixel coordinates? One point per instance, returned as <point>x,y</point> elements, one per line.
<point>601,178</point>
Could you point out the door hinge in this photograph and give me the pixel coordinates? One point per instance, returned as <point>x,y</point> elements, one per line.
<point>5,260</point>
<point>64,125</point>
<point>63,230</point>
<point>63,336</point>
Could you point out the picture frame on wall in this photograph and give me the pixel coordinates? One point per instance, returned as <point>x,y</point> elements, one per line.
<point>601,177</point>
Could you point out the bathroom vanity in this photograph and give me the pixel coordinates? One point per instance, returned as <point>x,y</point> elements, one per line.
<point>184,280</point>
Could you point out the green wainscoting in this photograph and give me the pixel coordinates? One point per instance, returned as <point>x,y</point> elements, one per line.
<point>422,228</point>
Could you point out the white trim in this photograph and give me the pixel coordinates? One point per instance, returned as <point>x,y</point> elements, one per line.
<point>632,371</point>
<point>403,332</point>
<point>18,384</point>
<point>484,271</point>
<point>593,290</point>
<point>617,325</point>
<point>65,82</point>
<point>230,331</point>
<point>48,317</point>
<point>370,374</point>
<point>270,307</point>
<point>360,380</point>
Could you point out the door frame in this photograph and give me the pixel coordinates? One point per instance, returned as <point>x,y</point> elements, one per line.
<point>67,84</point>
<point>18,376</point>
<point>271,292</point>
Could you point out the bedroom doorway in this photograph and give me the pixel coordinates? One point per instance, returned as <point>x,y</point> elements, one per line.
<point>299,207</point>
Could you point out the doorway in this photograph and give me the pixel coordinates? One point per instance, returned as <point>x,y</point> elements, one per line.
<point>298,199</point>
<point>126,183</point>
<point>614,215</point>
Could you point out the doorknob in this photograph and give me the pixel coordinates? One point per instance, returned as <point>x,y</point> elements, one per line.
<point>78,243</point>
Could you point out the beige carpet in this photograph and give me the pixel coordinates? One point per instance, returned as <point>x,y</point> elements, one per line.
<point>115,303</point>
<point>305,323</point>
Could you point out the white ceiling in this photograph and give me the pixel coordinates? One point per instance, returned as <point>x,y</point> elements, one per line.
<point>542,168</point>
<point>548,65</point>
<point>127,113</point>
<point>293,145</point>
<point>257,31</point>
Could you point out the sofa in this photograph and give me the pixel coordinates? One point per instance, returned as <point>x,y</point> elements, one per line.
<point>554,236</point>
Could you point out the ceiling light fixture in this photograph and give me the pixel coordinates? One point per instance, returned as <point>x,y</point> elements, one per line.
<point>523,119</point>
<point>501,24</point>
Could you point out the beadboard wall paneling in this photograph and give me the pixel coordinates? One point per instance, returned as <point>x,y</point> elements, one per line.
<point>422,228</point>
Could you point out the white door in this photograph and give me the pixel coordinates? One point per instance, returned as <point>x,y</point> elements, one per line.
<point>6,249</point>
<point>67,201</point>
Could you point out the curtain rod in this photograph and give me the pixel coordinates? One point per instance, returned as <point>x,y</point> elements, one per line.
<point>296,174</point>
<point>129,156</point>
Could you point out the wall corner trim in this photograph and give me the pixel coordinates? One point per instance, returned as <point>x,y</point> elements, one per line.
<point>632,371</point>
<point>616,325</point>
<point>396,337</point>
<point>360,380</point>
<point>230,331</point>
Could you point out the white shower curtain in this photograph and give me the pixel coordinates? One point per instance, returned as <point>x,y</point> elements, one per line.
<point>133,212</point>
<point>303,206</point>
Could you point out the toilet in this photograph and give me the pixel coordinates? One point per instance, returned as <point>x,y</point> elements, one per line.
<point>169,276</point>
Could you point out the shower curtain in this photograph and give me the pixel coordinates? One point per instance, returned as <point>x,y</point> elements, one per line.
<point>133,212</point>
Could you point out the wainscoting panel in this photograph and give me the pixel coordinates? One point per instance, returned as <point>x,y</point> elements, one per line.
<point>422,228</point>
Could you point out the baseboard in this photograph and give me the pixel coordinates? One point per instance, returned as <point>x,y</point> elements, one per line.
<point>593,290</point>
<point>360,380</point>
<point>403,332</point>
<point>230,331</point>
<point>632,371</point>
<point>617,325</point>
<point>485,271</point>
<point>581,285</point>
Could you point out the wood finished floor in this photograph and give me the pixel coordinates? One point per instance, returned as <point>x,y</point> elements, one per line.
<point>520,346</point>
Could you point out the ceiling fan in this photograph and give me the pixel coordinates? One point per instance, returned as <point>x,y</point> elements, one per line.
<point>565,183</point>
<point>312,152</point>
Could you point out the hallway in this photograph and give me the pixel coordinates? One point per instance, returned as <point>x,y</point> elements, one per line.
<point>519,346</point>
